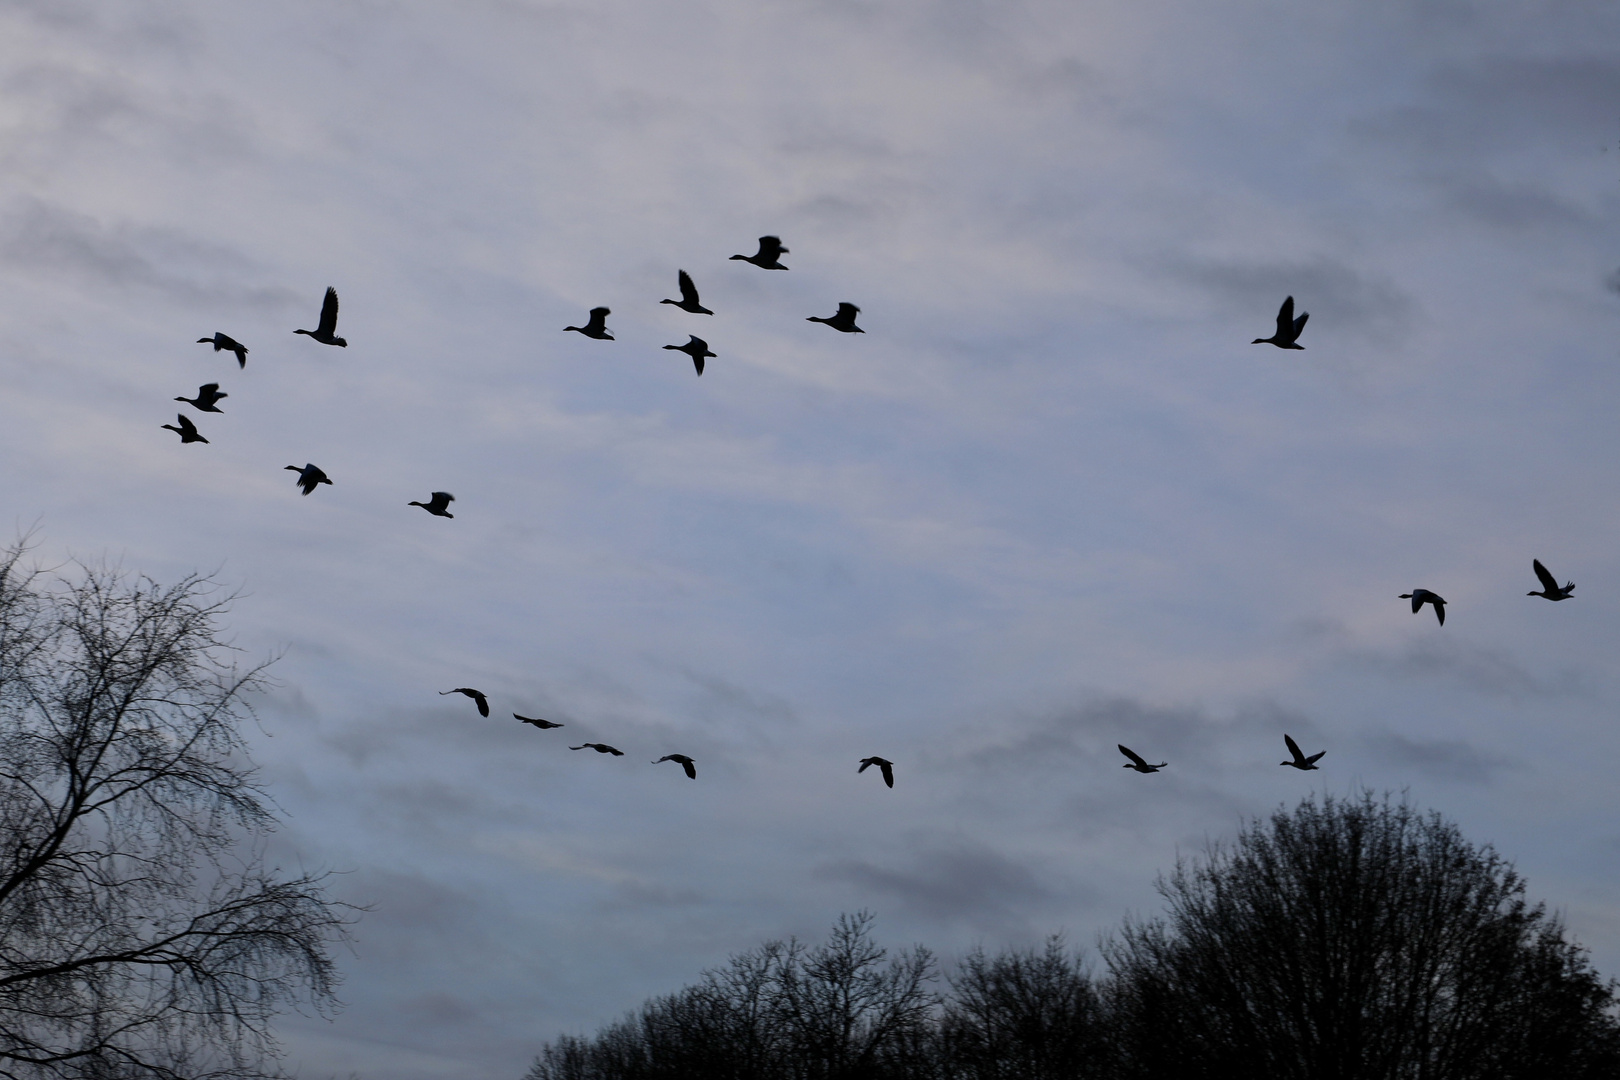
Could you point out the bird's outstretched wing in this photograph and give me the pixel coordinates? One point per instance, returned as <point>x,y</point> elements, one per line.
<point>847,311</point>
<point>689,293</point>
<point>1293,747</point>
<point>1132,754</point>
<point>1299,324</point>
<point>1285,318</point>
<point>329,312</point>
<point>888,773</point>
<point>770,247</point>
<point>1312,760</point>
<point>1548,582</point>
<point>1417,603</point>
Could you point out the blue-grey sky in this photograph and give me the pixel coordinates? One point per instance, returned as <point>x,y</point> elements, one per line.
<point>1051,500</point>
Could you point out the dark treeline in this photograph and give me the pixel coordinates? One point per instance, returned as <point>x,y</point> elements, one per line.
<point>1344,939</point>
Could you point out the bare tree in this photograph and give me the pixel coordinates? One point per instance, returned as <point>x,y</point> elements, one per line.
<point>1024,1015</point>
<point>141,934</point>
<point>1356,939</point>
<point>847,1012</point>
<point>842,1010</point>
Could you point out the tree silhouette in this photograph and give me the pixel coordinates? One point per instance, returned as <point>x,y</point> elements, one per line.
<point>141,934</point>
<point>842,1010</point>
<point>1356,938</point>
<point>1024,1015</point>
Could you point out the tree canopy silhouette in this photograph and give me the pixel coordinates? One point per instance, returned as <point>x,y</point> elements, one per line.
<point>141,934</point>
<point>1356,938</point>
<point>1347,938</point>
<point>842,1010</point>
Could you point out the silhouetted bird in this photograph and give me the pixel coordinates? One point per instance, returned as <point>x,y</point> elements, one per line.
<point>436,506</point>
<point>536,722</point>
<point>1300,760</point>
<point>1136,761</point>
<point>770,250</point>
<point>207,394</point>
<point>686,763</point>
<point>1549,584</point>
<point>696,348</point>
<point>600,748</point>
<point>844,320</point>
<point>308,477</point>
<point>689,296</point>
<point>596,326</point>
<point>187,430</point>
<point>1288,328</point>
<point>477,696</point>
<point>225,341</point>
<point>1419,597</point>
<point>885,766</point>
<point>326,332</point>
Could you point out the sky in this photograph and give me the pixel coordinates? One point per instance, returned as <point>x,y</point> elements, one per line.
<point>1051,500</point>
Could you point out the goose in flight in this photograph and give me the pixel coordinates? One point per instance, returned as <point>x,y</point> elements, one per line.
<point>1419,597</point>
<point>843,321</point>
<point>1136,761</point>
<point>1288,328</point>
<point>1300,761</point>
<point>596,325</point>
<point>696,348</point>
<point>885,766</point>
<point>476,695</point>
<point>436,505</point>
<point>308,477</point>
<point>685,762</point>
<point>689,296</point>
<point>207,394</point>
<point>225,341</point>
<point>770,250</point>
<point>187,430</point>
<point>326,332</point>
<point>534,721</point>
<point>600,748</point>
<point>1549,584</point>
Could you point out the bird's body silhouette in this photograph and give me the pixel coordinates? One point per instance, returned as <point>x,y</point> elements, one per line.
<point>187,430</point>
<point>436,505</point>
<point>477,695</point>
<point>689,296</point>
<point>225,341</point>
<point>768,256</point>
<point>885,766</point>
<point>685,762</point>
<point>309,477</point>
<point>844,320</point>
<point>1288,328</point>
<point>534,721</point>
<point>326,331</point>
<point>596,325</point>
<point>696,348</point>
<point>600,748</point>
<point>1419,597</point>
<point>1549,584</point>
<point>207,395</point>
<point>1300,760</point>
<point>1136,761</point>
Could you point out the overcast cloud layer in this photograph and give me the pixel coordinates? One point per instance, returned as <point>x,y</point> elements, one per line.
<point>1051,500</point>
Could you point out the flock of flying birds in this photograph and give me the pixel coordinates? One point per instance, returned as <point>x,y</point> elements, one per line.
<point>768,257</point>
